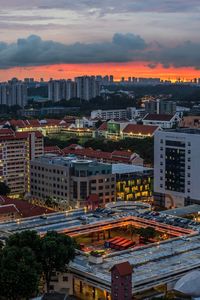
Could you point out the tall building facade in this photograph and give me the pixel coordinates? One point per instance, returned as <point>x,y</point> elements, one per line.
<point>160,107</point>
<point>61,90</point>
<point>88,87</point>
<point>176,167</point>
<point>13,92</point>
<point>16,151</point>
<point>70,181</point>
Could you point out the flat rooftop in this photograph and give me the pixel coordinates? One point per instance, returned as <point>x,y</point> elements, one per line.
<point>183,211</point>
<point>185,130</point>
<point>152,265</point>
<point>127,168</point>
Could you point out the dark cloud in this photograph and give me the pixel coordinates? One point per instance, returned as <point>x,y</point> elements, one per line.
<point>34,51</point>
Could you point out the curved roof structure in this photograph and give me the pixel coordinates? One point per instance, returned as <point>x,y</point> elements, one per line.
<point>189,284</point>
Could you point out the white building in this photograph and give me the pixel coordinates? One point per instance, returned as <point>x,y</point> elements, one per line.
<point>13,92</point>
<point>163,121</point>
<point>117,114</point>
<point>87,87</point>
<point>61,90</point>
<point>176,167</point>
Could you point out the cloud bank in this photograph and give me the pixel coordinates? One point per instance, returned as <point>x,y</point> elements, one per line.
<point>123,48</point>
<point>108,6</point>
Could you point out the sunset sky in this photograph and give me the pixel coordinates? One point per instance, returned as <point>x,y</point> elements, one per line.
<point>63,39</point>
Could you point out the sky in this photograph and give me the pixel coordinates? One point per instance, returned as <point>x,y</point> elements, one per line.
<point>67,38</point>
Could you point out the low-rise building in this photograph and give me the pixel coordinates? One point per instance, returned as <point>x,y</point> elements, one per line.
<point>8,213</point>
<point>46,126</point>
<point>133,182</point>
<point>190,122</point>
<point>17,208</point>
<point>70,181</point>
<point>127,157</point>
<point>139,131</point>
<point>128,113</point>
<point>120,130</point>
<point>162,120</point>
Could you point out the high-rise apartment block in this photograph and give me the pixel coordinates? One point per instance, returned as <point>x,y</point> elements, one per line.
<point>13,92</point>
<point>16,151</point>
<point>85,87</point>
<point>176,167</point>
<point>61,90</point>
<point>160,107</point>
<point>88,87</point>
<point>70,181</point>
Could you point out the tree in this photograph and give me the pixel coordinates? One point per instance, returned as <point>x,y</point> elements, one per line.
<point>27,238</point>
<point>19,278</point>
<point>132,230</point>
<point>57,250</point>
<point>4,189</point>
<point>147,233</point>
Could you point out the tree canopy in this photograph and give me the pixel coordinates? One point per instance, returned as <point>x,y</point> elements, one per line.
<point>4,189</point>
<point>26,257</point>
<point>56,252</point>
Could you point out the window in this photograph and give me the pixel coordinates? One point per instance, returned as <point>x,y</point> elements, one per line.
<point>65,278</point>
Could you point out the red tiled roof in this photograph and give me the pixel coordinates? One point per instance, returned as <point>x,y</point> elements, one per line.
<point>37,123</point>
<point>25,208</point>
<point>103,127</point>
<point>115,156</point>
<point>140,129</point>
<point>19,135</point>
<point>53,149</point>
<point>6,131</point>
<point>6,209</point>
<point>125,154</point>
<point>158,117</point>
<point>123,268</point>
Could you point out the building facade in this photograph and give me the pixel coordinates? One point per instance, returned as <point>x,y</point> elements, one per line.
<point>133,182</point>
<point>176,167</point>
<point>116,114</point>
<point>13,92</point>
<point>162,120</point>
<point>70,181</point>
<point>88,87</point>
<point>61,90</point>
<point>160,107</point>
<point>16,151</point>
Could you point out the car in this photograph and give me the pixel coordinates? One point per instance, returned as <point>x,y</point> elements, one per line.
<point>184,238</point>
<point>82,218</point>
<point>97,216</point>
<point>43,216</point>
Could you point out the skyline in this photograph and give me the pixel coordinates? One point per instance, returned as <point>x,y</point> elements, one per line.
<point>152,38</point>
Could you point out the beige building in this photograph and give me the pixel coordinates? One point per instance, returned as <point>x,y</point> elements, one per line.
<point>16,151</point>
<point>70,181</point>
<point>190,122</point>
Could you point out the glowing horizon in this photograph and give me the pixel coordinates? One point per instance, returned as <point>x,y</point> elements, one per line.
<point>118,70</point>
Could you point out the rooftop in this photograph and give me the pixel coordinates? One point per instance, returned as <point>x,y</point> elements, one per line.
<point>183,211</point>
<point>23,207</point>
<point>140,129</point>
<point>155,263</point>
<point>185,130</point>
<point>158,117</point>
<point>125,168</point>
